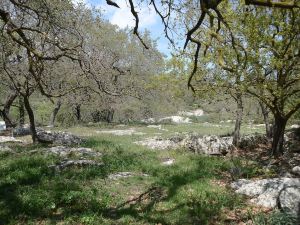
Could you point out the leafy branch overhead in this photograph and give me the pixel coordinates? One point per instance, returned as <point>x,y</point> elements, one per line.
<point>207,8</point>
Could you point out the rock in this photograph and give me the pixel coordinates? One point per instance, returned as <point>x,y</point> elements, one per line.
<point>271,193</point>
<point>197,112</point>
<point>289,199</point>
<point>131,131</point>
<point>69,163</point>
<point>5,149</point>
<point>119,175</point>
<point>292,140</point>
<point>158,143</point>
<point>211,145</point>
<point>2,125</point>
<point>253,140</point>
<point>175,119</point>
<point>148,120</point>
<point>63,151</point>
<point>4,139</point>
<point>295,126</point>
<point>296,170</point>
<point>168,161</point>
<point>21,131</point>
<point>59,138</point>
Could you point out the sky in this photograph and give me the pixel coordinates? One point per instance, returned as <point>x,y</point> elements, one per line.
<point>123,18</point>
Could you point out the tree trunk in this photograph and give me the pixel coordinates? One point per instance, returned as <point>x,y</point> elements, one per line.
<point>278,135</point>
<point>54,113</point>
<point>21,112</point>
<point>110,115</point>
<point>31,119</point>
<point>78,112</point>
<point>265,113</point>
<point>238,121</point>
<point>5,112</point>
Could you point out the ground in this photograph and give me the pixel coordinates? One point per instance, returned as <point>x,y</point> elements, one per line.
<point>193,190</point>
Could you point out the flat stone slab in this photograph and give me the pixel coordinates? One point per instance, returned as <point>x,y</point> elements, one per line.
<point>277,192</point>
<point>119,175</point>
<point>130,131</point>
<point>64,151</point>
<point>79,163</point>
<point>4,139</point>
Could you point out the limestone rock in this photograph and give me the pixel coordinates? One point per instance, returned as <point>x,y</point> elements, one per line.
<point>211,145</point>
<point>158,143</point>
<point>64,151</point>
<point>253,140</point>
<point>296,170</point>
<point>80,163</point>
<point>272,192</point>
<point>4,139</point>
<point>289,199</point>
<point>5,149</point>
<point>119,175</point>
<point>21,131</point>
<point>59,138</point>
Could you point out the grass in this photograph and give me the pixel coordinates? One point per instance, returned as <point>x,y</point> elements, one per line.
<point>183,193</point>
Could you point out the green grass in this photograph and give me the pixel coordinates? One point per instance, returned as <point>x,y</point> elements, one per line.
<point>183,193</point>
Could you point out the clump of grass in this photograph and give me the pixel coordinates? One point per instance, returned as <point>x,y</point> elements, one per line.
<point>275,218</point>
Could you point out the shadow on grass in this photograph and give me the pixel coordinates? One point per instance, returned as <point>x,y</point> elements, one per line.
<point>31,191</point>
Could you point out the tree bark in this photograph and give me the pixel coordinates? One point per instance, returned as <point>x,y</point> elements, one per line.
<point>278,135</point>
<point>5,112</point>
<point>21,112</point>
<point>78,112</point>
<point>31,119</point>
<point>238,120</point>
<point>110,115</point>
<point>265,113</point>
<point>54,113</point>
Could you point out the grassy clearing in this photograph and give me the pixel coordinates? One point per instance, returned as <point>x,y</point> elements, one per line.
<point>186,192</point>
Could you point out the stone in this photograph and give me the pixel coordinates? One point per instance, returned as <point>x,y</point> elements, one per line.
<point>210,145</point>
<point>197,112</point>
<point>158,143</point>
<point>296,170</point>
<point>131,131</point>
<point>168,161</point>
<point>4,139</point>
<point>148,120</point>
<point>80,163</point>
<point>252,140</point>
<point>6,149</point>
<point>2,125</point>
<point>295,126</point>
<point>21,131</point>
<point>119,175</point>
<point>64,151</point>
<point>289,199</point>
<point>271,193</point>
<point>59,138</point>
<point>175,119</point>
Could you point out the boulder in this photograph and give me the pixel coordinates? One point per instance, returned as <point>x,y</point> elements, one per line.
<point>296,170</point>
<point>79,163</point>
<point>158,143</point>
<point>21,131</point>
<point>210,145</point>
<point>4,139</point>
<point>64,151</point>
<point>277,192</point>
<point>289,199</point>
<point>59,138</point>
<point>2,125</point>
<point>175,119</point>
<point>252,140</point>
<point>4,149</point>
<point>119,175</point>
